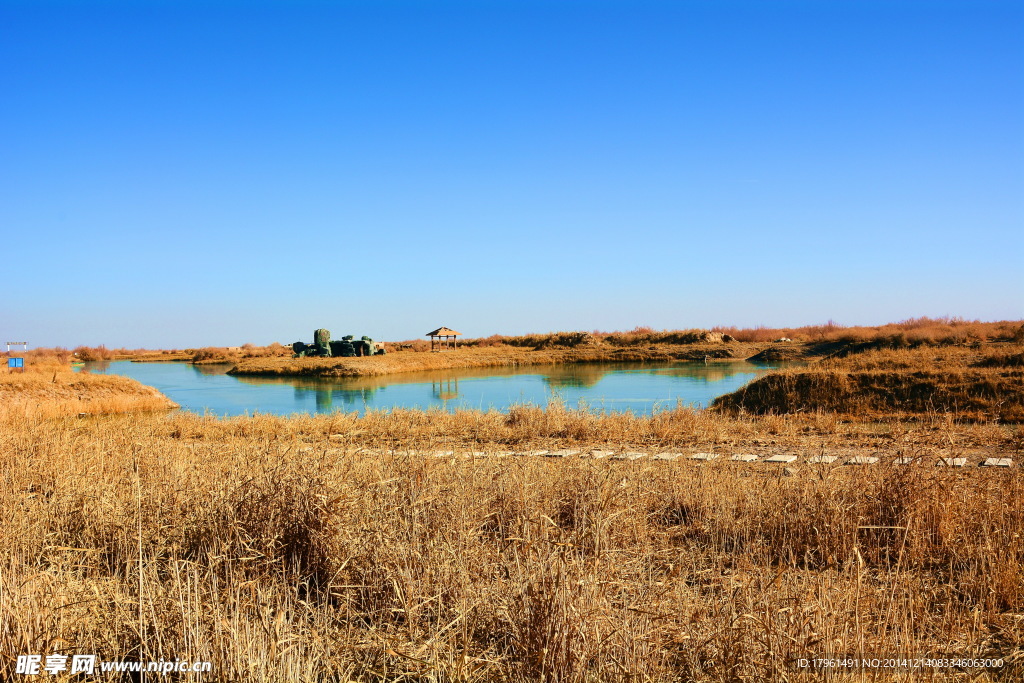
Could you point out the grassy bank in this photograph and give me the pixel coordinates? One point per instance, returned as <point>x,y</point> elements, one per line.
<point>977,382</point>
<point>49,388</point>
<point>483,357</point>
<point>317,548</point>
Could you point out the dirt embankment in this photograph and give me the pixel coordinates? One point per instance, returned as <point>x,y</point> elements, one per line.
<point>979,382</point>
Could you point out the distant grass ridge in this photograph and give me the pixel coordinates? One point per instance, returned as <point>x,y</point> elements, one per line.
<point>913,331</point>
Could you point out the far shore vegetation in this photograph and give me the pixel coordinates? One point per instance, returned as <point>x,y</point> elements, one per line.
<point>911,332</point>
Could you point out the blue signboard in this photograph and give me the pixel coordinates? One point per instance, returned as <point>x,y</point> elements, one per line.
<point>15,362</point>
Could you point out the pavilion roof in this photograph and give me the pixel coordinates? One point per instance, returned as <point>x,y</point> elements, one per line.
<point>443,332</point>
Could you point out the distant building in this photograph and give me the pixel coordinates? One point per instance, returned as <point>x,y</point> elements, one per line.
<point>444,339</point>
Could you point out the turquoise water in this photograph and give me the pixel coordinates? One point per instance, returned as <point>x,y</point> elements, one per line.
<point>600,387</point>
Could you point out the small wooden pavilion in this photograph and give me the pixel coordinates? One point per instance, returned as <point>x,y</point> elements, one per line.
<point>444,338</point>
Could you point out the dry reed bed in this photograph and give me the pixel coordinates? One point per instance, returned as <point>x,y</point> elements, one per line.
<point>52,390</point>
<point>948,330</point>
<point>281,550</point>
<point>976,382</point>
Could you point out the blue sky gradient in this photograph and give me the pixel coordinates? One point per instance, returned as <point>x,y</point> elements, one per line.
<point>182,174</point>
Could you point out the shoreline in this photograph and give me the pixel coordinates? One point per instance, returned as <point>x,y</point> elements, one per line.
<point>477,357</point>
<point>854,381</point>
<point>864,382</point>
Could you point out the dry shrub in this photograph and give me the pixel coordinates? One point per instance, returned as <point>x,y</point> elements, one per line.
<point>413,345</point>
<point>274,350</point>
<point>493,340</point>
<point>94,353</point>
<point>215,354</point>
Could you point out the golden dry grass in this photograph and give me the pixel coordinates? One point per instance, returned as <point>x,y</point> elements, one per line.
<point>317,548</point>
<point>976,382</point>
<point>949,330</point>
<point>216,354</point>
<point>48,388</point>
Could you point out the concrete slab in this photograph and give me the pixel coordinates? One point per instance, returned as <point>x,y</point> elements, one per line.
<point>442,454</point>
<point>598,453</point>
<point>744,457</point>
<point>666,456</point>
<point>704,457</point>
<point>629,455</point>
<point>861,460</point>
<point>781,458</point>
<point>952,462</point>
<point>997,462</point>
<point>561,453</point>
<point>822,459</point>
<point>529,453</point>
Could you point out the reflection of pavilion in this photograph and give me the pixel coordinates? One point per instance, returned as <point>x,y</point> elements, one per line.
<point>445,389</point>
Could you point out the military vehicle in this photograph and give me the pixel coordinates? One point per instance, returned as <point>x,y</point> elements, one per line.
<point>347,347</point>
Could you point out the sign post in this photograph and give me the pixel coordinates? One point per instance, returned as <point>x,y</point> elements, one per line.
<point>13,362</point>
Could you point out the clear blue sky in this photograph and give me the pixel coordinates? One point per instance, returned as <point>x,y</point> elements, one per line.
<point>181,174</point>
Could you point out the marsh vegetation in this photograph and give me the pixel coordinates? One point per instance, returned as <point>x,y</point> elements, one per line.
<point>321,547</point>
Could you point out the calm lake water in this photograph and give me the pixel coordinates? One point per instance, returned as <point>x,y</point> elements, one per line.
<point>600,387</point>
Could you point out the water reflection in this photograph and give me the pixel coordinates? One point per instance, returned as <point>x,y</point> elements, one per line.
<point>445,389</point>
<point>97,366</point>
<point>328,398</point>
<point>212,368</point>
<point>580,376</point>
